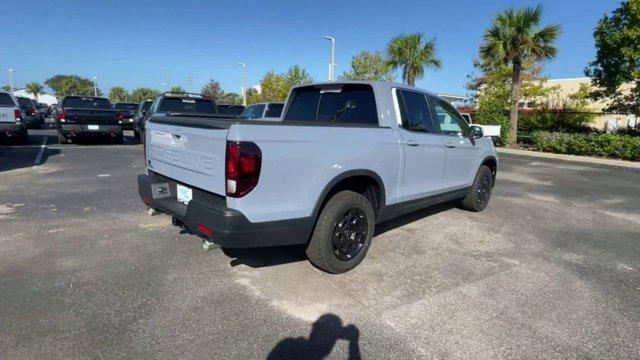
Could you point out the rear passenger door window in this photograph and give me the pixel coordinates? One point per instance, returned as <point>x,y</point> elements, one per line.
<point>414,111</point>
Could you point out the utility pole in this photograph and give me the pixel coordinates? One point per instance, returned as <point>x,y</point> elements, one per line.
<point>189,84</point>
<point>332,59</point>
<point>243,78</point>
<point>95,87</point>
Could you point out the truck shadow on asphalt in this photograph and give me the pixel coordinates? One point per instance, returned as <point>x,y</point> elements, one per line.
<point>15,156</point>
<point>273,256</point>
<point>325,333</point>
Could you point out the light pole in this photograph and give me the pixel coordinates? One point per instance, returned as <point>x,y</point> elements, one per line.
<point>10,79</point>
<point>243,78</point>
<point>95,87</point>
<point>189,83</point>
<point>332,60</point>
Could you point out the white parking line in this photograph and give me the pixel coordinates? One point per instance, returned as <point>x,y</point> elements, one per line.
<point>43,147</point>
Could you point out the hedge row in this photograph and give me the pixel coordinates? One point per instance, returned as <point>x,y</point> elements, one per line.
<point>604,145</point>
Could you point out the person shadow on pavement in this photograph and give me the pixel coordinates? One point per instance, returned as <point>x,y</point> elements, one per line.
<point>325,332</point>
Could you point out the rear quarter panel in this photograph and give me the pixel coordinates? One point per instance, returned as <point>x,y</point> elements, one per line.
<point>298,161</point>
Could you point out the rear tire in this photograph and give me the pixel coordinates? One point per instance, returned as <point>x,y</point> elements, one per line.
<point>480,193</point>
<point>343,233</point>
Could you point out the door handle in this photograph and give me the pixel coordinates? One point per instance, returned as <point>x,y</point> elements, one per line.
<point>451,146</point>
<point>411,143</point>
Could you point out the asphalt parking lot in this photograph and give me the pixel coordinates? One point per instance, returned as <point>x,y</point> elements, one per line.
<point>551,269</point>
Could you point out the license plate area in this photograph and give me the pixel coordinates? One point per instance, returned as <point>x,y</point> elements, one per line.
<point>93,127</point>
<point>184,194</point>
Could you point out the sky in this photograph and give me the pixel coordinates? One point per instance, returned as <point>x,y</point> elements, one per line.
<point>145,43</point>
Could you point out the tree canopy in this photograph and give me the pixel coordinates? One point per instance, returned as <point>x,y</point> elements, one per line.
<point>412,54</point>
<point>369,67</point>
<point>118,94</point>
<point>34,89</point>
<point>276,87</point>
<point>141,94</point>
<point>71,85</point>
<point>213,91</point>
<point>617,40</point>
<point>515,38</point>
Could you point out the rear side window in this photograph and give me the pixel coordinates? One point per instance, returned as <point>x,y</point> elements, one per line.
<point>414,111</point>
<point>178,105</point>
<point>6,100</point>
<point>347,104</point>
<point>274,110</point>
<point>86,103</point>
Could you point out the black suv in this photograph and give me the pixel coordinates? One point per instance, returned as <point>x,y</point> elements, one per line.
<point>179,104</point>
<point>128,111</point>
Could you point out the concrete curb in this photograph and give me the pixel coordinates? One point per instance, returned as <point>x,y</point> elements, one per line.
<point>573,158</point>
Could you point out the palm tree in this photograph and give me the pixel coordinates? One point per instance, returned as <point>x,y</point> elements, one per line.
<point>515,38</point>
<point>34,88</point>
<point>412,55</point>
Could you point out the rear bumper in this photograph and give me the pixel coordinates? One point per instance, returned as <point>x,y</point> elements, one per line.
<point>71,130</point>
<point>231,229</point>
<point>126,124</point>
<point>12,130</point>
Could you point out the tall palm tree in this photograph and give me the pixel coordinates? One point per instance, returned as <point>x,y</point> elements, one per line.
<point>411,54</point>
<point>34,88</point>
<point>514,38</point>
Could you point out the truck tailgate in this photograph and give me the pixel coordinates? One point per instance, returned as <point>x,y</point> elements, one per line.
<point>7,115</point>
<point>191,155</point>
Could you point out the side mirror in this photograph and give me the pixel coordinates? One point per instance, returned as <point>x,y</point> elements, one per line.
<point>475,132</point>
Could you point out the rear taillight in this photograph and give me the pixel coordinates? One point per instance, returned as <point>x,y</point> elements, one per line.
<point>243,163</point>
<point>32,111</point>
<point>17,114</point>
<point>62,116</point>
<point>119,117</point>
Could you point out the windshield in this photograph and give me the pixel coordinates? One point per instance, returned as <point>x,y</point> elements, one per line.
<point>179,105</point>
<point>86,103</point>
<point>25,102</point>
<point>124,106</point>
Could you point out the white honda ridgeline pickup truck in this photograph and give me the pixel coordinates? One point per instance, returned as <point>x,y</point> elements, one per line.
<point>344,157</point>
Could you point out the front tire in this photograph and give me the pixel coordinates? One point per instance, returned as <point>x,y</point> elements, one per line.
<point>343,233</point>
<point>480,193</point>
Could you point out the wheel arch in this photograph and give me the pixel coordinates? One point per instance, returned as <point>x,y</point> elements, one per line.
<point>492,163</point>
<point>359,180</point>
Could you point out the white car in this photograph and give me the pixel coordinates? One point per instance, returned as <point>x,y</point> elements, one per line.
<point>12,124</point>
<point>263,111</point>
<point>491,131</point>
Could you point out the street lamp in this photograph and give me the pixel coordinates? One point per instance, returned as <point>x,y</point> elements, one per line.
<point>332,60</point>
<point>243,78</point>
<point>10,79</point>
<point>95,87</point>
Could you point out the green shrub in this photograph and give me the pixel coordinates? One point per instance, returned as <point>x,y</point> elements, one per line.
<point>571,121</point>
<point>604,145</point>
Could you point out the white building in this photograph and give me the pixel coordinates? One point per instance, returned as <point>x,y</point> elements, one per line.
<point>42,98</point>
